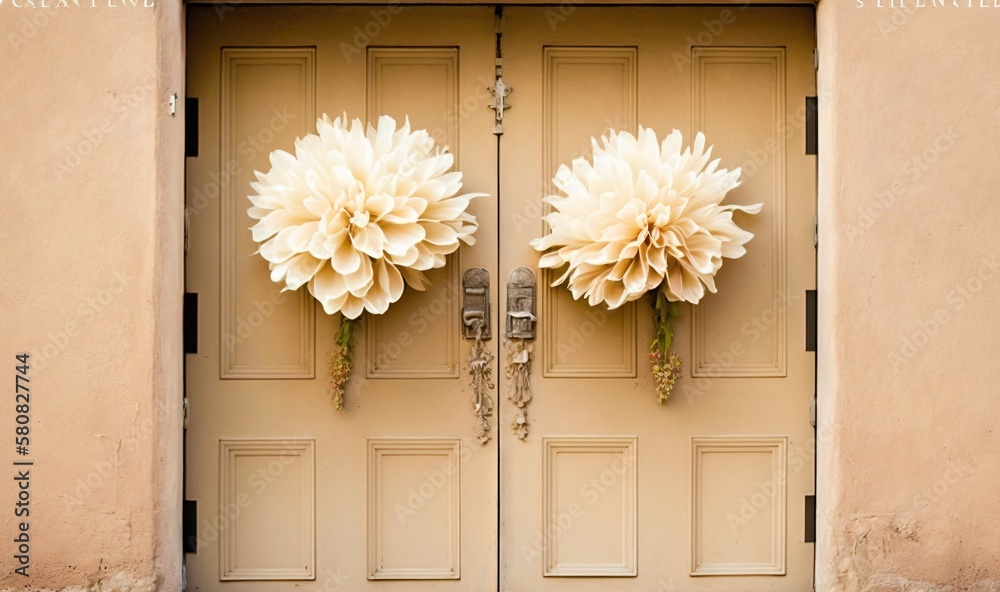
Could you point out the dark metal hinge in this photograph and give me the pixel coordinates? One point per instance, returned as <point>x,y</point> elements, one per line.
<point>190,322</point>
<point>190,126</point>
<point>189,526</point>
<point>811,320</point>
<point>812,126</point>
<point>810,533</point>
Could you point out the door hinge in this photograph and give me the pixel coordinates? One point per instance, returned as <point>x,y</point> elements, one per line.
<point>816,59</point>
<point>191,126</point>
<point>190,322</point>
<point>815,231</point>
<point>812,126</point>
<point>172,104</point>
<point>810,531</point>
<point>189,526</point>
<point>187,411</point>
<point>811,320</point>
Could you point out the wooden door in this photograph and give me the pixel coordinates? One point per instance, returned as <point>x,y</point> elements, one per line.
<point>393,492</point>
<point>610,490</point>
<point>607,490</point>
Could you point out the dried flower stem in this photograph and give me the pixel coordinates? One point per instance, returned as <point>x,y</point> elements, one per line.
<point>342,361</point>
<point>666,364</point>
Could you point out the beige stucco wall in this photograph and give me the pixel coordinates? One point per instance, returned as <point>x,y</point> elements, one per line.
<point>91,283</point>
<point>909,463</point>
<point>91,286</point>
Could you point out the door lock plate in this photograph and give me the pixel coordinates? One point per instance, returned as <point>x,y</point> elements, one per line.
<point>476,303</point>
<point>521,304</point>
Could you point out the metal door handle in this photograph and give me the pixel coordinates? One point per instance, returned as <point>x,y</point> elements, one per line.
<point>476,303</point>
<point>521,304</point>
<point>520,333</point>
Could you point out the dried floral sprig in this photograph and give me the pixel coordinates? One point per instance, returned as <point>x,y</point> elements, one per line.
<point>666,364</point>
<point>342,361</point>
<point>665,373</point>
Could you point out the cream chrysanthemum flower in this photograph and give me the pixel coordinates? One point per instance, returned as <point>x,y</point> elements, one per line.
<point>355,215</point>
<point>640,214</point>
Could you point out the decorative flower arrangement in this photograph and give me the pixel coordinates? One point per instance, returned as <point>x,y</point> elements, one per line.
<point>356,215</point>
<point>643,217</point>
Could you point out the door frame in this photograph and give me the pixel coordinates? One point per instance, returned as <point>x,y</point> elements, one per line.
<point>170,162</point>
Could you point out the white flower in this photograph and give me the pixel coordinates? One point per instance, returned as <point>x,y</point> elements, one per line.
<point>357,215</point>
<point>642,213</point>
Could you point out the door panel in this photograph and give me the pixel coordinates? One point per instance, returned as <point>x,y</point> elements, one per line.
<point>608,484</point>
<point>393,491</point>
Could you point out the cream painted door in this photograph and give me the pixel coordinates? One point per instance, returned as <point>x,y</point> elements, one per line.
<point>393,493</point>
<point>610,490</point>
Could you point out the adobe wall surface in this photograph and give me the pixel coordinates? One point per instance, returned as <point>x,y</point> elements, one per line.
<point>92,230</point>
<point>910,286</point>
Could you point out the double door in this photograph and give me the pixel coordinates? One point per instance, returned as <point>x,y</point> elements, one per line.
<point>606,490</point>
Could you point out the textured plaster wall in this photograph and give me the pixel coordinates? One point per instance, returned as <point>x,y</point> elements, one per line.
<point>910,288</point>
<point>90,285</point>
